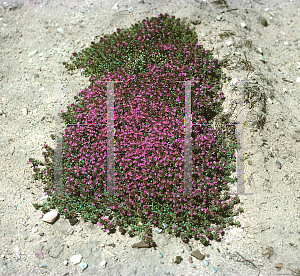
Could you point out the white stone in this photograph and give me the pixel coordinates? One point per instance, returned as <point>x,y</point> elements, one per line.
<point>243,24</point>
<point>233,81</point>
<point>298,79</point>
<point>227,241</point>
<point>41,89</point>
<point>103,264</point>
<point>32,53</point>
<point>286,43</point>
<point>24,111</point>
<point>75,259</point>
<point>116,6</point>
<point>41,54</point>
<point>50,217</point>
<point>229,42</point>
<point>66,262</point>
<point>259,50</point>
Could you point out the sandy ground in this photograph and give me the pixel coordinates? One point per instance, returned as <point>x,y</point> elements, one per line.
<point>268,241</point>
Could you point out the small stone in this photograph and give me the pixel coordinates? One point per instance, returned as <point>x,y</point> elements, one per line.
<point>116,6</point>
<point>166,272</point>
<point>233,81</point>
<point>59,30</point>
<point>279,266</point>
<point>103,264</point>
<point>197,254</point>
<point>298,79</point>
<point>193,266</point>
<point>141,244</point>
<point>178,260</point>
<point>160,255</point>
<point>1,112</point>
<point>269,251</point>
<point>214,269</point>
<point>73,221</point>
<point>39,254</point>
<point>130,9</point>
<point>50,217</point>
<point>206,263</point>
<point>157,230</point>
<point>243,24</point>
<point>262,21</point>
<point>219,17</point>
<point>190,259</point>
<point>75,259</point>
<point>259,50</point>
<point>32,53</point>
<point>229,42</point>
<point>261,58</point>
<point>43,265</point>
<point>24,111</point>
<point>66,263</point>
<point>278,164</point>
<point>83,265</point>
<point>286,43</point>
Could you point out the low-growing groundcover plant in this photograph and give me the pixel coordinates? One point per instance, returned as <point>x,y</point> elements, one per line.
<point>149,63</point>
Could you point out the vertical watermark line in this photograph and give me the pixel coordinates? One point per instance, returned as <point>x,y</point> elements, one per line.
<point>188,139</point>
<point>110,137</point>
<point>58,140</point>
<point>240,139</point>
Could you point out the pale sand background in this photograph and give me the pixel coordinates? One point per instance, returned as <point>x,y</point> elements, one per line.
<point>271,217</point>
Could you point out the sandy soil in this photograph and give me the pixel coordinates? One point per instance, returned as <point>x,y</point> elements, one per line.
<point>268,241</point>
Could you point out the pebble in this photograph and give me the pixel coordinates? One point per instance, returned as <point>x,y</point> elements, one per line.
<point>59,30</point>
<point>103,264</point>
<point>166,272</point>
<point>24,111</point>
<point>233,81</point>
<point>116,6</point>
<point>130,9</point>
<point>50,217</point>
<point>229,42</point>
<point>197,254</point>
<point>206,263</point>
<point>160,255</point>
<point>243,24</point>
<point>214,269</point>
<point>157,230</point>
<point>39,254</point>
<point>278,164</point>
<point>177,259</point>
<point>83,265</point>
<point>193,266</point>
<point>260,50</point>
<point>261,58</point>
<point>262,21</point>
<point>298,79</point>
<point>219,18</point>
<point>32,53</point>
<point>75,259</point>
<point>141,244</point>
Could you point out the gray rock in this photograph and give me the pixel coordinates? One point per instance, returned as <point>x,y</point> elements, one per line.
<point>262,21</point>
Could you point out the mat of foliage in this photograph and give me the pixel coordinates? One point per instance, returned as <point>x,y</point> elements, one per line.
<point>149,63</point>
